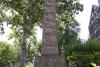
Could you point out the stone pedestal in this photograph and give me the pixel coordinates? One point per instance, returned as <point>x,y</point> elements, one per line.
<point>49,61</point>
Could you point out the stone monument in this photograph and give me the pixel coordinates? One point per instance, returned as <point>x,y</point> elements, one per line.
<point>49,55</point>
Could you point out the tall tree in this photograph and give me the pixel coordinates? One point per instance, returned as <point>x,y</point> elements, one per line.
<point>68,27</point>
<point>24,16</point>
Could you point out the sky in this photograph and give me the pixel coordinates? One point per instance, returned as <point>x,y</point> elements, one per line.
<point>83,18</point>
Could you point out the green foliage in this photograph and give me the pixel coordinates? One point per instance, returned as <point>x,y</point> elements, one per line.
<point>68,27</point>
<point>90,46</point>
<point>8,54</point>
<point>83,54</point>
<point>29,64</point>
<point>26,14</point>
<point>94,65</point>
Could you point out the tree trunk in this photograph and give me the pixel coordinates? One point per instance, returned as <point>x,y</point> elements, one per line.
<point>23,49</point>
<point>23,57</point>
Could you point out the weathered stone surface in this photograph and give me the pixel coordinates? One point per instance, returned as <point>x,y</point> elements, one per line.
<point>49,53</point>
<point>48,24</point>
<point>50,42</point>
<point>48,32</point>
<point>49,61</point>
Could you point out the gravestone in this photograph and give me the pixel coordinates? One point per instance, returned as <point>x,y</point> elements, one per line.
<point>49,55</point>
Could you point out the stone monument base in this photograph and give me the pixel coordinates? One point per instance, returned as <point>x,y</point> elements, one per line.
<point>49,61</point>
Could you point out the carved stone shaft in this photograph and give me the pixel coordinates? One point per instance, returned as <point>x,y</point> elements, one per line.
<point>50,42</point>
<point>50,57</point>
